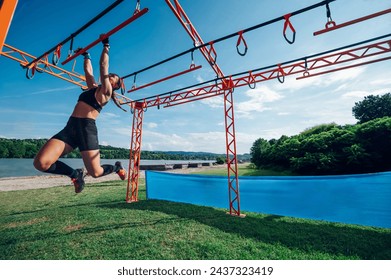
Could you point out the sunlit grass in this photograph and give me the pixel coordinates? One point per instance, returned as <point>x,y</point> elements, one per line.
<point>55,223</point>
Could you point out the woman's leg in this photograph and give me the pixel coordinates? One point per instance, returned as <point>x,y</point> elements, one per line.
<point>91,159</point>
<point>47,161</point>
<point>47,158</point>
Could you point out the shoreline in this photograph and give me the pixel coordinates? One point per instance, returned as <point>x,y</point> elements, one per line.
<point>49,181</point>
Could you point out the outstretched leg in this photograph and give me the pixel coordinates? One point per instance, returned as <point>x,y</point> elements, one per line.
<point>91,160</point>
<point>47,161</point>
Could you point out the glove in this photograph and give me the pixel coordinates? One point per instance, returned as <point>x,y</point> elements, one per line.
<point>85,54</point>
<point>105,41</point>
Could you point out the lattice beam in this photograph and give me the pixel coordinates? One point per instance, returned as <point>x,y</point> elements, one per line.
<point>42,65</point>
<point>135,154</point>
<point>306,67</point>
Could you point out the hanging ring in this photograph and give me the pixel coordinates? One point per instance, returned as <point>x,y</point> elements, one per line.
<point>134,82</point>
<point>240,40</point>
<point>56,55</point>
<point>30,74</point>
<point>306,73</point>
<point>280,74</point>
<point>252,84</point>
<point>286,25</point>
<point>192,65</point>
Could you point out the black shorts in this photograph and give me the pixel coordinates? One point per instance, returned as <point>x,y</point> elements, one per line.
<point>80,133</point>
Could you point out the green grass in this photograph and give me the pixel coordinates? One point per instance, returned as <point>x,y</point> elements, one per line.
<point>55,223</point>
<point>245,170</point>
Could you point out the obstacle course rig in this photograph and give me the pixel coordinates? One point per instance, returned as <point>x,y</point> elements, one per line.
<point>361,53</point>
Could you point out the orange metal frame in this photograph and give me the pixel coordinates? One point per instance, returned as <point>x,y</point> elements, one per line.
<point>225,87</point>
<point>7,9</point>
<point>43,66</point>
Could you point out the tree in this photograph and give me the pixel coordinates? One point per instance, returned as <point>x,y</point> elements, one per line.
<point>259,152</point>
<point>372,107</point>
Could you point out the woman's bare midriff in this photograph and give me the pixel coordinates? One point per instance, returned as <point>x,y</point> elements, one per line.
<point>83,110</point>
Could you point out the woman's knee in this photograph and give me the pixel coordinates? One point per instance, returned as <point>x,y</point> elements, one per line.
<point>41,164</point>
<point>94,173</point>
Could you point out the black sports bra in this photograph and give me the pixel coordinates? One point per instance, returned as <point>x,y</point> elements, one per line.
<point>88,97</point>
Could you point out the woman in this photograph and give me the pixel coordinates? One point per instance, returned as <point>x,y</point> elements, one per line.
<point>80,131</point>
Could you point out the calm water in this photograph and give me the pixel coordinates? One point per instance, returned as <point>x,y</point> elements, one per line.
<point>24,167</point>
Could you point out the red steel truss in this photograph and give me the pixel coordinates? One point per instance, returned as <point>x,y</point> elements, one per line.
<point>211,55</point>
<point>232,162</point>
<point>306,67</point>
<point>310,66</point>
<point>135,153</point>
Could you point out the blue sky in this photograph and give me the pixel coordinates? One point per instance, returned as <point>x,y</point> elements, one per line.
<point>40,107</point>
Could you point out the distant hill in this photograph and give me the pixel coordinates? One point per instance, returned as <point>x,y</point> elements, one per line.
<point>28,148</point>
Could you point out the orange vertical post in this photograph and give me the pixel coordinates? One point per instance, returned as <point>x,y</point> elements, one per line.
<point>135,153</point>
<point>7,9</point>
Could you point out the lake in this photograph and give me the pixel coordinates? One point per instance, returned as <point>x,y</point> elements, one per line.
<point>17,167</point>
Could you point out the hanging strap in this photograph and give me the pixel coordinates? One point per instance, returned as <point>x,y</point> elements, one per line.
<point>56,55</point>
<point>280,74</point>
<point>241,40</point>
<point>287,24</point>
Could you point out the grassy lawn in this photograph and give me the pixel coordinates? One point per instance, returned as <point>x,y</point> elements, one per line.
<point>244,170</point>
<point>55,223</point>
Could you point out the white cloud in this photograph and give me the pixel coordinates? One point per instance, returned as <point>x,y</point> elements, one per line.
<point>151,125</point>
<point>360,94</point>
<point>257,99</point>
<point>381,82</point>
<point>355,94</point>
<point>325,80</point>
<point>214,102</point>
<point>109,115</point>
<point>200,79</point>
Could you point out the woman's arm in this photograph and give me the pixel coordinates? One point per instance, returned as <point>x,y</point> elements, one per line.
<point>106,88</point>
<point>89,72</point>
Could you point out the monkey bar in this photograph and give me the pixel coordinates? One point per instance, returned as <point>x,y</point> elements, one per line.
<point>135,16</point>
<point>331,25</point>
<point>7,9</point>
<point>192,68</point>
<point>309,66</point>
<point>77,32</point>
<point>208,50</point>
<point>302,65</point>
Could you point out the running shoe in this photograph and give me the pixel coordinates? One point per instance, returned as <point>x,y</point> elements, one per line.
<point>121,171</point>
<point>78,182</point>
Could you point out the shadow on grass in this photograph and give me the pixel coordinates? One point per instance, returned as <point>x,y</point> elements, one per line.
<point>305,235</point>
